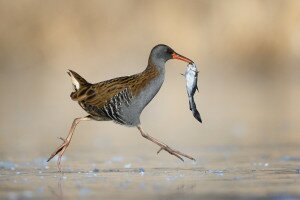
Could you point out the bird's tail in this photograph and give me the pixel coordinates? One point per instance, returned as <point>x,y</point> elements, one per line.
<point>194,110</point>
<point>77,80</point>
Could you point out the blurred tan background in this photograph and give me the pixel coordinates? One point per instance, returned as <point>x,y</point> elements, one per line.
<point>248,54</point>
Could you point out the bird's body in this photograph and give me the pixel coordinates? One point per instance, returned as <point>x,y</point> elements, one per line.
<point>122,99</point>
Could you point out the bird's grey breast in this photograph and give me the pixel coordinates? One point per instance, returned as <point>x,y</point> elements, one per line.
<point>141,100</point>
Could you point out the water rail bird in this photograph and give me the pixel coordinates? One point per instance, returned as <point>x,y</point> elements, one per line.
<point>122,99</point>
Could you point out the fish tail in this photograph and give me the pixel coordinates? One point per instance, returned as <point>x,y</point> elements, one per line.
<point>197,115</point>
<point>194,110</point>
<point>192,103</point>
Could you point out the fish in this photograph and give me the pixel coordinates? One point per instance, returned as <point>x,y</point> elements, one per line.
<point>191,77</point>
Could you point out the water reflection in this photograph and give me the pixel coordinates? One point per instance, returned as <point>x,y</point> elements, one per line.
<point>58,191</point>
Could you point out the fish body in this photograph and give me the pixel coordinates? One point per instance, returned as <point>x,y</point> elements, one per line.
<point>191,76</point>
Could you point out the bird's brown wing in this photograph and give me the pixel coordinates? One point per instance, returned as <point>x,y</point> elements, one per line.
<point>100,93</point>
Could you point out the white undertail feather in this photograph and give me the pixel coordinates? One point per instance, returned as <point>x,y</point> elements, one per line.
<point>74,81</point>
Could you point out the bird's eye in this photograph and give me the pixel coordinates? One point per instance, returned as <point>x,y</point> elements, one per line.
<point>169,51</point>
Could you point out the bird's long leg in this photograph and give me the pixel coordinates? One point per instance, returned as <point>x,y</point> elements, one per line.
<point>163,146</point>
<point>62,148</point>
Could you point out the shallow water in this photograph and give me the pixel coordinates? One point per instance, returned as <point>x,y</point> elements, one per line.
<point>220,172</point>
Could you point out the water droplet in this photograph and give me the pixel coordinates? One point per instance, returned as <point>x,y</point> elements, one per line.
<point>141,171</point>
<point>127,165</point>
<point>266,164</point>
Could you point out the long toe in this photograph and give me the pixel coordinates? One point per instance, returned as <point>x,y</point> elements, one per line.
<point>55,153</point>
<point>184,155</point>
<point>170,151</point>
<point>176,153</point>
<point>59,149</point>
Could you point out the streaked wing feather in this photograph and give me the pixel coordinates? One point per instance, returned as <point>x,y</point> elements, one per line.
<point>100,93</point>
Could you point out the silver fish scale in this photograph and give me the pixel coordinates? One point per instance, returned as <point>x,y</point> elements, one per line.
<point>191,75</point>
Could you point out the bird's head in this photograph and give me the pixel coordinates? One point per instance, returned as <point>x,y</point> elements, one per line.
<point>161,53</point>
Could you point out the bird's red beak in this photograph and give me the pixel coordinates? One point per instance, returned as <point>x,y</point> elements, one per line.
<point>180,57</point>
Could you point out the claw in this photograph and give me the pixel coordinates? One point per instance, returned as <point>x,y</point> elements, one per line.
<point>177,156</point>
<point>59,149</point>
<point>170,151</point>
<point>54,153</point>
<point>159,150</point>
<point>64,140</point>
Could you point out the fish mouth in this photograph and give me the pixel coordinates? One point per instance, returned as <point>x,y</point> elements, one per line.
<point>180,57</point>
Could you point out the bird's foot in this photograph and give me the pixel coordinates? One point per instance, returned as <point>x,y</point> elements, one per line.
<point>163,146</point>
<point>176,153</point>
<point>61,149</point>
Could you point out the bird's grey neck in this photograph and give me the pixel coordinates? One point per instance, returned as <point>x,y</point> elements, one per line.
<point>154,84</point>
<point>159,64</point>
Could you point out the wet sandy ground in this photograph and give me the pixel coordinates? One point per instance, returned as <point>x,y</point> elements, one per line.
<point>220,172</point>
